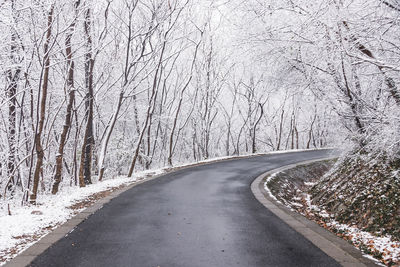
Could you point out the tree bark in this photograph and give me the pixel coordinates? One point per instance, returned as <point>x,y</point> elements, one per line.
<point>12,76</point>
<point>253,145</point>
<point>278,146</point>
<point>40,124</point>
<point>88,141</point>
<point>68,117</point>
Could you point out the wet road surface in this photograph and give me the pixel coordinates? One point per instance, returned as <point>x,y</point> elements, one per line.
<point>202,216</point>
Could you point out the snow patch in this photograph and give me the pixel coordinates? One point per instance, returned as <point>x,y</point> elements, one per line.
<point>269,179</point>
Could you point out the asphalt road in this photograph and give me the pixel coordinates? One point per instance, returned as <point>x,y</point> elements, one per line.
<point>202,216</point>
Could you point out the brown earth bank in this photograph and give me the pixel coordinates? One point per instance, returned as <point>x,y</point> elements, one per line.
<point>347,196</point>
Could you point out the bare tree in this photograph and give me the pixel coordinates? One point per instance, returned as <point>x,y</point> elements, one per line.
<point>178,109</point>
<point>88,140</point>
<point>70,90</point>
<point>13,76</point>
<point>44,82</point>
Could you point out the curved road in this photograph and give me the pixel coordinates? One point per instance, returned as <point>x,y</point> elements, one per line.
<point>201,216</point>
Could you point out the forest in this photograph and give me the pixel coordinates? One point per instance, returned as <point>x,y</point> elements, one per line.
<point>97,89</point>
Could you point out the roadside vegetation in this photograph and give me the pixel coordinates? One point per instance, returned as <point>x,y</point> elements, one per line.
<point>363,212</point>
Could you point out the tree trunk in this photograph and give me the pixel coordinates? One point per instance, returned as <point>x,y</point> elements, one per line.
<point>88,141</point>
<point>278,146</point>
<point>390,83</point>
<point>149,109</point>
<point>171,137</point>
<point>11,94</point>
<point>107,136</point>
<point>253,145</point>
<point>69,88</point>
<point>311,129</point>
<point>40,124</point>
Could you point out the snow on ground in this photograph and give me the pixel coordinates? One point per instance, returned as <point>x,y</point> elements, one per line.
<point>383,247</point>
<point>270,178</point>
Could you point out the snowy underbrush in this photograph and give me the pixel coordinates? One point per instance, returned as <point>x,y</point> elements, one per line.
<point>287,187</point>
<point>363,192</point>
<point>356,200</point>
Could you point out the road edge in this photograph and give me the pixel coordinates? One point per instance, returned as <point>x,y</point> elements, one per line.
<point>338,249</point>
<point>29,254</point>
